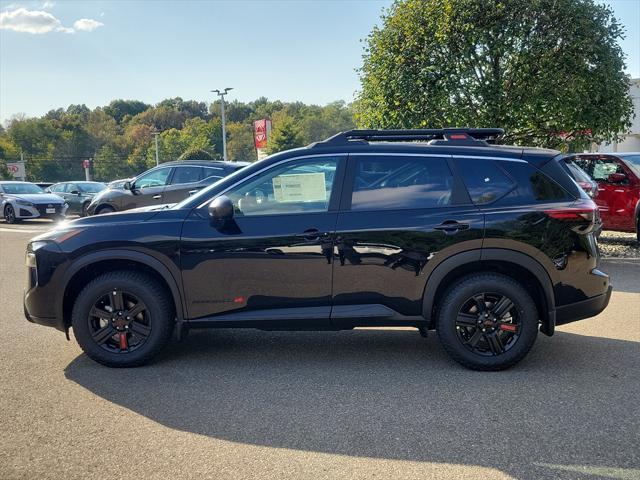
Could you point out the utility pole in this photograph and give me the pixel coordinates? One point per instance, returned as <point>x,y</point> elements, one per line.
<point>221,94</point>
<point>155,134</point>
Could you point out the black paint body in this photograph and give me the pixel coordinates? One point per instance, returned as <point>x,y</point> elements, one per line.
<point>335,269</point>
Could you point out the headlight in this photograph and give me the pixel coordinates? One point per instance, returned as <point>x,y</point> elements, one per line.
<point>24,202</point>
<point>56,236</point>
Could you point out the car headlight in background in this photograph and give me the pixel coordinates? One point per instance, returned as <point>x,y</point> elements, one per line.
<point>24,203</point>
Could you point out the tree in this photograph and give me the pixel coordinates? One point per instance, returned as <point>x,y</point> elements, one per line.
<point>196,154</point>
<point>285,134</point>
<point>241,146</point>
<point>118,109</point>
<point>548,71</point>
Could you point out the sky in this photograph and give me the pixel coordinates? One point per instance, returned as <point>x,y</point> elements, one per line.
<point>54,53</point>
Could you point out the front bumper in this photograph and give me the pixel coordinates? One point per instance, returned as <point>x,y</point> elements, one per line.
<point>40,210</point>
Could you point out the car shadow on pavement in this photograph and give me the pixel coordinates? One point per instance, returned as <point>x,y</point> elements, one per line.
<point>392,395</point>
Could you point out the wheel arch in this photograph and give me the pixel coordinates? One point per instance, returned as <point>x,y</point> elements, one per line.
<point>522,268</point>
<point>89,266</point>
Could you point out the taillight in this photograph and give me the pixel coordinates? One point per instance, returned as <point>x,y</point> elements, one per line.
<point>584,213</point>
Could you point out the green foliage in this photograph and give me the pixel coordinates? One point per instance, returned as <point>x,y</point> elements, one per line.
<point>285,134</point>
<point>119,136</point>
<point>196,154</point>
<point>538,68</point>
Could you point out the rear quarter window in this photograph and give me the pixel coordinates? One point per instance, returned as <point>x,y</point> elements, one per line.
<point>532,186</point>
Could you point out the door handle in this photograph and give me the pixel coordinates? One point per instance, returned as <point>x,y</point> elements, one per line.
<point>194,191</point>
<point>157,197</point>
<point>451,226</point>
<point>311,235</point>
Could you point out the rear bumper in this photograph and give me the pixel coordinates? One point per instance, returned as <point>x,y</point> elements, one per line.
<point>584,309</point>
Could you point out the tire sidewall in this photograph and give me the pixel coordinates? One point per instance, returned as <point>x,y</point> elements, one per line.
<point>6,219</point>
<point>455,298</point>
<point>143,287</point>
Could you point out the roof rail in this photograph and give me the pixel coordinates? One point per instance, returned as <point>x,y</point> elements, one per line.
<point>461,136</point>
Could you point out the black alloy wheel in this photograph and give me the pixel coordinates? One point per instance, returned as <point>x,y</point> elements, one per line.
<point>487,321</point>
<point>119,322</point>
<point>123,318</point>
<point>487,324</point>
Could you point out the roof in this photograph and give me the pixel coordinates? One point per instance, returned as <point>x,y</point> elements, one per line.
<point>217,163</point>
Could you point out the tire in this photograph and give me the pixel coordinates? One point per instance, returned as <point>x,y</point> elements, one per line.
<point>104,209</point>
<point>83,210</point>
<point>638,230</point>
<point>101,337</point>
<point>10,215</point>
<point>461,323</point>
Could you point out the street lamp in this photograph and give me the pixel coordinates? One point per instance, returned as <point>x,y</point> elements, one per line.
<point>155,133</point>
<point>221,94</point>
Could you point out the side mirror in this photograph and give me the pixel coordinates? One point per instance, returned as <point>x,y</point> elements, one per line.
<point>74,192</point>
<point>127,185</point>
<point>616,177</point>
<point>221,210</point>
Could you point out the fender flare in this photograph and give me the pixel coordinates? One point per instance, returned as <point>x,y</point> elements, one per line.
<point>133,255</point>
<point>487,255</point>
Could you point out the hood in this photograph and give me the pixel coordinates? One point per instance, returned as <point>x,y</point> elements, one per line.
<point>37,198</point>
<point>136,215</point>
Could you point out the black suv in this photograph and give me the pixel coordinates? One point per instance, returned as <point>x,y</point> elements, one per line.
<point>434,229</point>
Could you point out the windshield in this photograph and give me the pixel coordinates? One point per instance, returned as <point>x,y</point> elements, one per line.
<point>633,161</point>
<point>91,187</point>
<point>18,188</point>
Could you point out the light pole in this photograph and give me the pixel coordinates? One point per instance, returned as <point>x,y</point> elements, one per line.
<point>155,134</point>
<point>221,94</point>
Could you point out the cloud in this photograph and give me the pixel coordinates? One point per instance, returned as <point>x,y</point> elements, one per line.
<point>47,4</point>
<point>39,22</point>
<point>87,24</point>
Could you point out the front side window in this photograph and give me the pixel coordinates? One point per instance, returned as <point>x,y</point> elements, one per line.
<point>155,178</point>
<point>71,187</point>
<point>58,188</point>
<point>300,186</point>
<point>396,182</point>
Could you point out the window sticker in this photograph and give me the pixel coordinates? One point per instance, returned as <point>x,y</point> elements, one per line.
<point>300,187</point>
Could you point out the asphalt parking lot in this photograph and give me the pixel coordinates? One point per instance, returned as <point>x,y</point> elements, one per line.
<point>368,403</point>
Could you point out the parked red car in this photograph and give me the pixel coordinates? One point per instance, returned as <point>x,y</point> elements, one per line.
<point>618,178</point>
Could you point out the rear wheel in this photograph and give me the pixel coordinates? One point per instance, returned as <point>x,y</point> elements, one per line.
<point>487,322</point>
<point>83,211</point>
<point>10,215</point>
<point>122,319</point>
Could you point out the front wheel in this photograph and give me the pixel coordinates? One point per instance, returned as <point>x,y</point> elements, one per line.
<point>487,322</point>
<point>10,215</point>
<point>122,319</point>
<point>105,209</point>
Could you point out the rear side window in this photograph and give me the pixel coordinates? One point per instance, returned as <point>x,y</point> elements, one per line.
<point>484,180</point>
<point>187,174</point>
<point>395,182</point>
<point>533,186</point>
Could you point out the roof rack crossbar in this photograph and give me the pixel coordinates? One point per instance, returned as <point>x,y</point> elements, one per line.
<point>447,134</point>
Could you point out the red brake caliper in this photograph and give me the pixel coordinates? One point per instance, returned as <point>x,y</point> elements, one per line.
<point>123,341</point>
<point>508,327</point>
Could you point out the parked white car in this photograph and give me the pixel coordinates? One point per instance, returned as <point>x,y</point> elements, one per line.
<point>20,200</point>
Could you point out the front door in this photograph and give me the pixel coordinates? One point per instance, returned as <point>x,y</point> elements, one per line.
<point>404,214</point>
<point>273,262</point>
<point>148,189</point>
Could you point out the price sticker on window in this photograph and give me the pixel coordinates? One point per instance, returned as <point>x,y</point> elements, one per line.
<point>300,187</point>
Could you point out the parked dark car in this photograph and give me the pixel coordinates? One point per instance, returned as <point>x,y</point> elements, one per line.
<point>78,194</point>
<point>169,182</point>
<point>618,179</point>
<point>486,244</point>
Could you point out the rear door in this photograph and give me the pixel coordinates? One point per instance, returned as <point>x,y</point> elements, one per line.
<point>184,179</point>
<point>400,215</point>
